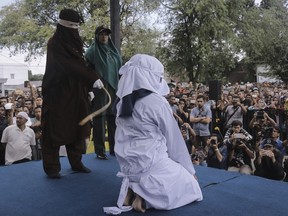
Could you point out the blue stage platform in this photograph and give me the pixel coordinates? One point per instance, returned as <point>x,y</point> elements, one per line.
<point>26,191</point>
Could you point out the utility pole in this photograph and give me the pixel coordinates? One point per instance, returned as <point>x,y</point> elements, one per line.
<point>115,23</point>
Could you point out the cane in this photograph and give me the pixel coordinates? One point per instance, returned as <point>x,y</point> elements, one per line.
<point>97,112</point>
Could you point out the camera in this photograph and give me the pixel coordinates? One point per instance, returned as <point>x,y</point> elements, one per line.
<point>26,83</point>
<point>194,157</point>
<point>260,114</point>
<point>213,142</point>
<point>239,137</point>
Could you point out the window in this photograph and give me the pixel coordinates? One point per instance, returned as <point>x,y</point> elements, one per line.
<point>12,76</point>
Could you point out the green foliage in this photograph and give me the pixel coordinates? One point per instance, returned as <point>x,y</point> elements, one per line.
<point>26,26</point>
<point>203,39</point>
<point>201,42</point>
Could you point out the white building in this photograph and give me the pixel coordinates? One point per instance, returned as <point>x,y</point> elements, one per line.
<point>11,73</point>
<point>262,74</point>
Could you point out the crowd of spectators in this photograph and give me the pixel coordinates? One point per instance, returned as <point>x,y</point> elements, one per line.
<point>20,126</point>
<point>243,130</point>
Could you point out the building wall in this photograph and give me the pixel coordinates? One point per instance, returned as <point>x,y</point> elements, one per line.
<point>16,74</point>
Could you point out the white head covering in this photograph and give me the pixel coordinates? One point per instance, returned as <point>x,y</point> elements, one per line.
<point>23,114</point>
<point>142,72</point>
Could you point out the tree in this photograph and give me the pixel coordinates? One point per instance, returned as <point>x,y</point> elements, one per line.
<point>201,39</point>
<point>27,25</point>
<point>264,37</point>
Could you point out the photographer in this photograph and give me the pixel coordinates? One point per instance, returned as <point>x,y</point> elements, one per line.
<point>240,151</point>
<point>258,123</point>
<point>274,134</point>
<point>217,153</point>
<point>268,162</point>
<point>189,136</point>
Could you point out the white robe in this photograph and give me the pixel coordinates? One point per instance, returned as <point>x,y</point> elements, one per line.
<point>153,157</point>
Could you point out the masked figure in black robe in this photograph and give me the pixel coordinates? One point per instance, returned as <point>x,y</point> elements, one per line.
<point>65,87</point>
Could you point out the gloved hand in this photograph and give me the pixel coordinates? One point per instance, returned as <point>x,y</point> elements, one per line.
<point>98,84</point>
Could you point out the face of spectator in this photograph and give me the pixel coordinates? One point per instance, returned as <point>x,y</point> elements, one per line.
<point>2,111</point>
<point>172,100</point>
<point>181,103</point>
<point>268,147</point>
<point>235,101</point>
<point>215,140</point>
<point>17,110</point>
<point>25,109</point>
<point>20,121</point>
<point>3,101</point>
<point>38,113</point>
<point>275,133</point>
<point>261,104</point>
<point>39,101</point>
<point>236,129</point>
<point>241,95</point>
<point>200,102</point>
<point>28,104</point>
<point>275,100</point>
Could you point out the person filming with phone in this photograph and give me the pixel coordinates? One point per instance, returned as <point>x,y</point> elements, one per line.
<point>240,151</point>
<point>217,153</point>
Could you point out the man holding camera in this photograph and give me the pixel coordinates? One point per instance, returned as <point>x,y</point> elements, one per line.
<point>258,123</point>
<point>217,153</point>
<point>268,162</point>
<point>240,151</point>
<point>274,134</point>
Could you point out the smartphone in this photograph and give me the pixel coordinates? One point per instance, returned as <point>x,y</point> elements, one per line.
<point>238,136</point>
<point>26,83</point>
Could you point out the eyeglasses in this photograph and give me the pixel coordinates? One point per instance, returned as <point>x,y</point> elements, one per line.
<point>268,146</point>
<point>200,101</point>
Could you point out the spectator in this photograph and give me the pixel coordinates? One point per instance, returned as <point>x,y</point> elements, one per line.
<point>273,133</point>
<point>200,117</point>
<point>217,153</point>
<point>9,109</point>
<point>182,110</point>
<point>36,127</point>
<point>20,109</point>
<point>240,152</point>
<point>103,56</point>
<point>189,136</point>
<point>38,101</point>
<point>268,162</point>
<point>30,106</point>
<point>3,100</point>
<point>246,103</point>
<point>235,111</point>
<point>19,141</point>
<point>258,123</point>
<point>173,101</point>
<point>3,125</point>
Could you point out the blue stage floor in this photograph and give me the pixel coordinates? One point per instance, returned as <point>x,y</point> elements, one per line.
<point>26,191</point>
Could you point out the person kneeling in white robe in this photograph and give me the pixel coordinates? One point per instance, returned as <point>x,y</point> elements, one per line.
<point>155,164</point>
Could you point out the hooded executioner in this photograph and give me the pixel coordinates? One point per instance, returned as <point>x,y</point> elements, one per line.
<point>65,87</point>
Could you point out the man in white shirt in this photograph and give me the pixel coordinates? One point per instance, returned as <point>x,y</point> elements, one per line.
<point>19,140</point>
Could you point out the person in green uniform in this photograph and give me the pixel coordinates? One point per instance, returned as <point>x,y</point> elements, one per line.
<point>103,56</point>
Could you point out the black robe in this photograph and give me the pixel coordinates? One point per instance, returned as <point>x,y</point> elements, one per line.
<point>65,87</point>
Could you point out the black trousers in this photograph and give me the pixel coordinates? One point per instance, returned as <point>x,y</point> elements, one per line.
<point>50,156</point>
<point>99,133</point>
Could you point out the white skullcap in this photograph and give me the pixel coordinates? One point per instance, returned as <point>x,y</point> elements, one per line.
<point>23,114</point>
